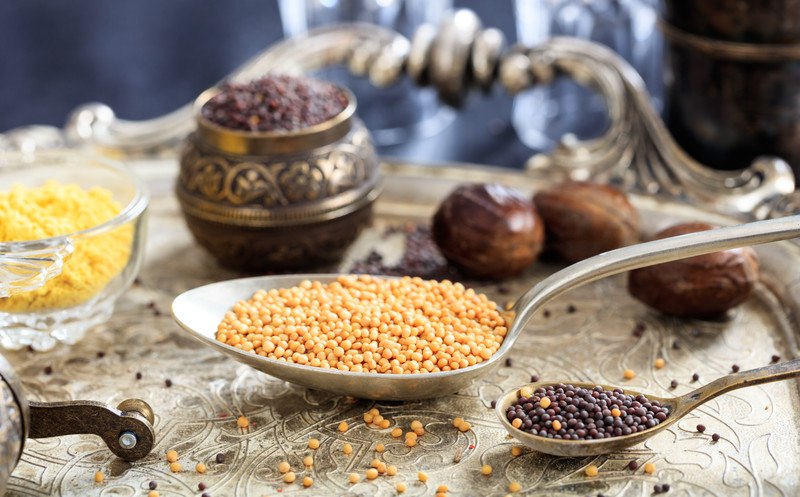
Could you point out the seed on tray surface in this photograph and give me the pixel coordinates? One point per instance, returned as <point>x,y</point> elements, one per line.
<point>695,377</point>
<point>284,467</point>
<point>175,467</point>
<point>99,477</point>
<point>172,456</point>
<point>442,489</point>
<point>659,363</point>
<point>591,470</point>
<point>397,432</point>
<point>368,324</point>
<point>308,461</point>
<point>372,473</point>
<point>353,477</point>
<point>401,487</point>
<point>391,470</point>
<point>422,476</point>
<point>220,458</point>
<point>289,477</point>
<point>701,428</point>
<point>152,485</point>
<point>308,481</point>
<point>200,468</point>
<point>343,427</point>
<point>649,468</point>
<point>153,493</point>
<point>516,451</point>
<point>633,465</point>
<point>715,437</point>
<point>629,374</point>
<point>576,413</point>
<point>380,448</point>
<point>486,470</point>
<point>313,443</point>
<point>242,422</point>
<point>514,487</point>
<point>347,449</point>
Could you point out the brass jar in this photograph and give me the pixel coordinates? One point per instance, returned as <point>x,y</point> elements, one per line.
<point>276,201</point>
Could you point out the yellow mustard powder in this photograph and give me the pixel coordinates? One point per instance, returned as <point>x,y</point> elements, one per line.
<point>56,209</point>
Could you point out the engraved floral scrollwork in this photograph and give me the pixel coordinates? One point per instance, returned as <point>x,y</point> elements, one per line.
<point>302,181</point>
<point>252,183</point>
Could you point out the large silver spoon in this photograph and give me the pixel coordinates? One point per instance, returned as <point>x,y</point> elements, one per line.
<point>200,310</point>
<point>678,408</point>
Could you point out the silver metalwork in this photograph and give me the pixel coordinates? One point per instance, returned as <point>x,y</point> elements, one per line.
<point>679,407</point>
<point>636,151</point>
<point>200,310</point>
<point>127,440</point>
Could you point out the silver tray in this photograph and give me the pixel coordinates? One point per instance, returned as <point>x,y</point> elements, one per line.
<point>756,455</point>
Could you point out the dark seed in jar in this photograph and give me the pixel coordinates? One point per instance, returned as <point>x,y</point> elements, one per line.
<point>274,103</point>
<point>576,413</point>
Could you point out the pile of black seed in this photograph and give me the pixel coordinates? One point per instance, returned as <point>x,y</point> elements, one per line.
<point>275,103</point>
<point>585,414</point>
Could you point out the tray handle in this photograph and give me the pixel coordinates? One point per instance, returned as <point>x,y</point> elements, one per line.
<point>637,152</point>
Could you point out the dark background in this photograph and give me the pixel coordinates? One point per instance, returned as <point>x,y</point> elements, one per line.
<point>147,57</point>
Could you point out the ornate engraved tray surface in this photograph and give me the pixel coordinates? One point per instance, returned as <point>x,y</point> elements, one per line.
<point>587,336</point>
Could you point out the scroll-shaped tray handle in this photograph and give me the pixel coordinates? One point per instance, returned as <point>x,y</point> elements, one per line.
<point>126,429</point>
<point>27,266</point>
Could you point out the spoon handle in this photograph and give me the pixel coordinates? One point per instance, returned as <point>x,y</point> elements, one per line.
<point>733,381</point>
<point>651,253</point>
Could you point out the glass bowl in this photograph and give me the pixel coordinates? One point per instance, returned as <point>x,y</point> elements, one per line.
<point>54,289</point>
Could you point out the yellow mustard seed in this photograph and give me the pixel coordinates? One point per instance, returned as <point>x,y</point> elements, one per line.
<point>514,487</point>
<point>411,435</point>
<point>545,402</point>
<point>416,424</point>
<point>397,432</point>
<point>516,423</point>
<point>289,477</point>
<point>440,494</point>
<point>284,467</point>
<point>308,481</point>
<point>463,328</point>
<point>172,455</point>
<point>516,451</point>
<point>313,443</point>
<point>152,493</point>
<point>442,489</point>
<point>347,449</point>
<point>381,468</point>
<point>99,477</point>
<point>374,463</point>
<point>591,470</point>
<point>377,419</point>
<point>391,470</point>
<point>419,431</point>
<point>411,442</point>
<point>401,487</point>
<point>368,418</point>
<point>308,461</point>
<point>372,473</point>
<point>353,478</point>
<point>660,363</point>
<point>556,424</point>
<point>385,423</point>
<point>616,412</point>
<point>649,468</point>
<point>486,470</point>
<point>374,411</point>
<point>175,467</point>
<point>629,374</point>
<point>200,468</point>
<point>343,427</point>
<point>422,476</point>
<point>242,422</point>
<point>465,426</point>
<point>380,448</point>
<point>457,422</point>
<point>526,392</point>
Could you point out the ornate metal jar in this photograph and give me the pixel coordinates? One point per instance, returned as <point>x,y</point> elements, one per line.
<point>271,201</point>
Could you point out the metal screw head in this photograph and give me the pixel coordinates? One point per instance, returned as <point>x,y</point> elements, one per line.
<point>127,440</point>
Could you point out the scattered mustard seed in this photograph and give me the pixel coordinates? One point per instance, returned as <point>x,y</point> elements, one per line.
<point>353,478</point>
<point>486,470</point>
<point>385,423</point>
<point>516,451</point>
<point>313,443</point>
<point>99,477</point>
<point>347,449</point>
<point>416,424</point>
<point>422,476</point>
<point>545,402</point>
<point>308,461</point>
<point>400,487</point>
<point>172,455</point>
<point>397,432</point>
<point>284,467</point>
<point>308,481</point>
<point>374,463</point>
<point>457,422</point>
<point>514,487</point>
<point>152,493</point>
<point>442,489</point>
<point>649,468</point>
<point>616,412</point>
<point>660,363</point>
<point>242,422</point>
<point>629,374</point>
<point>372,473</point>
<point>343,427</point>
<point>380,448</point>
<point>175,467</point>
<point>289,477</point>
<point>465,426</point>
<point>591,470</point>
<point>391,470</point>
<point>200,468</point>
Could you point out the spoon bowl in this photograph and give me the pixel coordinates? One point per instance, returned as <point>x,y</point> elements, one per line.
<point>200,310</point>
<point>678,408</point>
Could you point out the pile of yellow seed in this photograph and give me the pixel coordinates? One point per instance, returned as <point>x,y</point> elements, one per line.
<point>367,324</point>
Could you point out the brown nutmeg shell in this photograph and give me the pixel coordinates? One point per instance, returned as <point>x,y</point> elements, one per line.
<point>583,219</point>
<point>703,286</point>
<point>488,230</point>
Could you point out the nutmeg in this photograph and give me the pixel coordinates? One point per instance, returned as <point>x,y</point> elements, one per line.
<point>488,230</point>
<point>583,219</point>
<point>703,286</point>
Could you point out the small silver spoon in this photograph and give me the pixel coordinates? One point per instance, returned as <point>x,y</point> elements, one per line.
<point>678,408</point>
<point>200,310</point>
